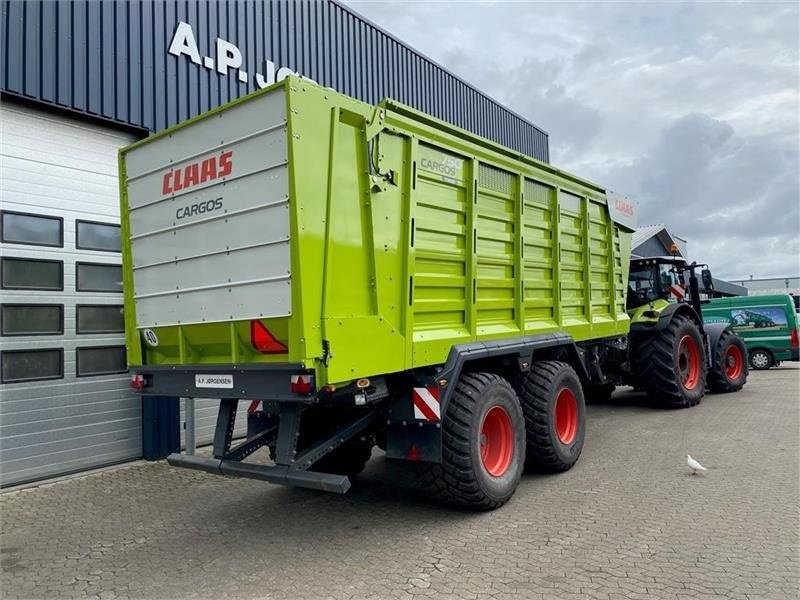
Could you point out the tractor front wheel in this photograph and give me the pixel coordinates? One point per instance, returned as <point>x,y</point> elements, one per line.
<point>483,445</point>
<point>672,364</point>
<point>729,372</point>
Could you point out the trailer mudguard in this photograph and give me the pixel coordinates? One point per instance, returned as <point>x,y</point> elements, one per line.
<point>521,351</point>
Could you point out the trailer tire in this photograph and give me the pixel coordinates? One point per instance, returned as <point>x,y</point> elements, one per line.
<point>555,415</point>
<point>673,364</point>
<point>483,445</point>
<point>729,373</point>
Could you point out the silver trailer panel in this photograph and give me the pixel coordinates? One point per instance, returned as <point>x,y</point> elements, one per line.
<point>209,218</point>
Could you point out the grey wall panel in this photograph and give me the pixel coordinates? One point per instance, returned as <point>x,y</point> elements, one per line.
<point>110,60</point>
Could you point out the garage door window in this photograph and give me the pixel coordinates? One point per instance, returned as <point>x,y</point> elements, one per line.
<point>32,319</point>
<point>90,235</point>
<point>32,274</point>
<point>100,318</point>
<point>35,230</point>
<point>101,360</point>
<point>92,277</point>
<point>32,365</point>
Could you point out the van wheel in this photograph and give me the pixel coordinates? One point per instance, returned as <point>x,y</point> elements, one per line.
<point>483,445</point>
<point>555,415</point>
<point>729,372</point>
<point>673,364</point>
<point>761,359</point>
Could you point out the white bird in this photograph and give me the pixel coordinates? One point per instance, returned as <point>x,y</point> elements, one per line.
<point>694,465</point>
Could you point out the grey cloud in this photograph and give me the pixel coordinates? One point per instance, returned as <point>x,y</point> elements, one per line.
<point>690,108</point>
<point>570,123</point>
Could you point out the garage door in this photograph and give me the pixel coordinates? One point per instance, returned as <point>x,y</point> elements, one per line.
<point>65,404</point>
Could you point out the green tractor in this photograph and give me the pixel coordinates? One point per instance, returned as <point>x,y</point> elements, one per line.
<point>671,354</point>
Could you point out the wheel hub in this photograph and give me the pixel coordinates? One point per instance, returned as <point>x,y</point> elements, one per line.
<point>734,362</point>
<point>689,362</point>
<point>496,441</point>
<point>566,416</point>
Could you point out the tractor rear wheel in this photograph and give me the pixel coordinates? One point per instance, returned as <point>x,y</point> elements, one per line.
<point>483,445</point>
<point>555,415</point>
<point>729,372</point>
<point>672,364</point>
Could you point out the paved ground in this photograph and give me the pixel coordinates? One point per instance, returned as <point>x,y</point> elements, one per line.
<point>627,522</point>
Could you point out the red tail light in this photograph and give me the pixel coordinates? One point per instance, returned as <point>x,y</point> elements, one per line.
<point>302,384</point>
<point>137,382</point>
<point>794,338</point>
<point>263,340</point>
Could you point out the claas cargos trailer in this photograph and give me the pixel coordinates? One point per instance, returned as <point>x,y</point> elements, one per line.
<point>370,275</point>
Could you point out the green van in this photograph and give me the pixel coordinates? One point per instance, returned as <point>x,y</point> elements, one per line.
<point>767,324</point>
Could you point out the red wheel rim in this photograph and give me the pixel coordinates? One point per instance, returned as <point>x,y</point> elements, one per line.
<point>566,416</point>
<point>689,362</point>
<point>734,362</point>
<point>497,441</point>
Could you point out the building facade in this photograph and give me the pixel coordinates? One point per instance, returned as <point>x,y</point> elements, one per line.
<point>770,285</point>
<point>82,78</point>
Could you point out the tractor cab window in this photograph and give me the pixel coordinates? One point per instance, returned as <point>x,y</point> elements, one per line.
<point>649,282</point>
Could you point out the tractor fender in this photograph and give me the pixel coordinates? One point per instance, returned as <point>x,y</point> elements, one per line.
<point>673,310</point>
<point>714,331</point>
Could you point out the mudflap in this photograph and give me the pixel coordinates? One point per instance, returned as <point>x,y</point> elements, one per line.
<point>415,434</point>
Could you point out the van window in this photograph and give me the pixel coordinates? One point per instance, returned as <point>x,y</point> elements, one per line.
<point>758,317</point>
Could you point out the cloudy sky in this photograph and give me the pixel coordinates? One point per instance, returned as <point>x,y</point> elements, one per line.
<point>689,108</point>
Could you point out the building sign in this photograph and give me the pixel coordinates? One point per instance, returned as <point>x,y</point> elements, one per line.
<point>227,59</point>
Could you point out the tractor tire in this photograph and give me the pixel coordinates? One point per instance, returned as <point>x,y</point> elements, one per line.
<point>761,360</point>
<point>729,373</point>
<point>483,445</point>
<point>555,416</point>
<point>672,364</point>
<point>599,393</point>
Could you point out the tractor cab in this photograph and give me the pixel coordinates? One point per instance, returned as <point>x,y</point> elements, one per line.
<point>651,279</point>
<point>668,278</point>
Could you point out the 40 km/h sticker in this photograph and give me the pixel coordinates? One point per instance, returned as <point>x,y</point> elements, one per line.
<point>213,381</point>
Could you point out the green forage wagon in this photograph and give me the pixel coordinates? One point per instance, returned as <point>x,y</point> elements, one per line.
<point>370,275</point>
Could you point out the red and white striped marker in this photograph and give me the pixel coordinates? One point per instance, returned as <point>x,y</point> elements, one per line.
<point>678,291</point>
<point>426,403</point>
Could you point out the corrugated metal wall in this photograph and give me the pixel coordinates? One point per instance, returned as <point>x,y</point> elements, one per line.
<point>111,59</point>
<point>52,425</point>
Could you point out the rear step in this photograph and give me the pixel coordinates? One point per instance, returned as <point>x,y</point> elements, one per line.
<point>327,482</point>
<point>280,432</point>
